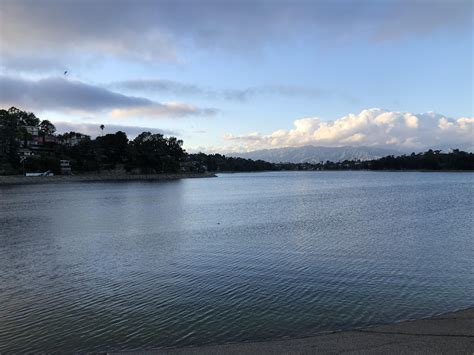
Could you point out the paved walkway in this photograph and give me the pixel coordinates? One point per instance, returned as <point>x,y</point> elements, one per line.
<point>451,333</point>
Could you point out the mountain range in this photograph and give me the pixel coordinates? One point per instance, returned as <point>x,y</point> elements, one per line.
<point>313,154</point>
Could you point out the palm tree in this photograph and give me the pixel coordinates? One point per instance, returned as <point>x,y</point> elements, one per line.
<point>102,128</point>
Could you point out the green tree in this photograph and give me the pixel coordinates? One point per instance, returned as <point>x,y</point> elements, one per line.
<point>83,156</point>
<point>47,127</point>
<point>24,118</point>
<point>153,153</point>
<point>113,148</point>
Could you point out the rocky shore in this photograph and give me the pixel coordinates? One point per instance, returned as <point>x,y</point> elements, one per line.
<point>27,180</point>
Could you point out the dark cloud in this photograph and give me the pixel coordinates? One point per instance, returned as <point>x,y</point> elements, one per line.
<point>64,94</point>
<point>150,30</point>
<point>93,129</point>
<point>58,93</point>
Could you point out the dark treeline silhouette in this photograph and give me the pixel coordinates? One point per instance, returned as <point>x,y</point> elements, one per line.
<point>218,162</point>
<point>28,144</point>
<point>430,160</point>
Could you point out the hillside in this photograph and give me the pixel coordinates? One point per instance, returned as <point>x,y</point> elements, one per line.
<point>312,154</point>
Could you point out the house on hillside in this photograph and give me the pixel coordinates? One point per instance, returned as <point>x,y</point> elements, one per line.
<point>40,140</point>
<point>72,138</point>
<point>32,130</point>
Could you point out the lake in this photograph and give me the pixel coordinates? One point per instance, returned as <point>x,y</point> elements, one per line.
<point>140,265</point>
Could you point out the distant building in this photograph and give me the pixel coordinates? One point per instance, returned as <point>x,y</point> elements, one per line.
<point>40,140</point>
<point>33,130</point>
<point>72,138</point>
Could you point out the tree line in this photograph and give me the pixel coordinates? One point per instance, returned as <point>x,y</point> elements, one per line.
<point>147,153</point>
<point>429,160</point>
<point>22,133</point>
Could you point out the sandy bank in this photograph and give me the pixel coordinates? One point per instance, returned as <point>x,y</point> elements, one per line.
<point>24,180</point>
<point>451,333</point>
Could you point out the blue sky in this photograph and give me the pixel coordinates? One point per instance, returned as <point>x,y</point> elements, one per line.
<point>240,75</point>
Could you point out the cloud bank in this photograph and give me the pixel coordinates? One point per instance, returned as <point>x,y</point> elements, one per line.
<point>59,94</point>
<point>148,30</point>
<point>372,127</point>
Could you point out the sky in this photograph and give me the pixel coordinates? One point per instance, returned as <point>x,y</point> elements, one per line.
<point>245,75</point>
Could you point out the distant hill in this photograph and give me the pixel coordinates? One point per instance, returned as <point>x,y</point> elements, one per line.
<point>312,154</point>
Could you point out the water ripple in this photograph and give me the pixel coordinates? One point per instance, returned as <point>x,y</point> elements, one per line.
<point>242,257</point>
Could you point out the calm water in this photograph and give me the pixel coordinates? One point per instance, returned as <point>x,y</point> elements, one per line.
<point>103,266</point>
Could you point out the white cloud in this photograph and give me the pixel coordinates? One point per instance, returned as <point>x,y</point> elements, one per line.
<point>371,127</point>
<point>466,123</point>
<point>411,120</point>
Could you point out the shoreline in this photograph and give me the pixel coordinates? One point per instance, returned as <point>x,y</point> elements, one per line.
<point>345,170</point>
<point>451,332</point>
<point>63,179</point>
<point>6,180</point>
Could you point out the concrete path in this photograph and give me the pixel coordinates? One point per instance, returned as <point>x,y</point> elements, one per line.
<point>451,333</point>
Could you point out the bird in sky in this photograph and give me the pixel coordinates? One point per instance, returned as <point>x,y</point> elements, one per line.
<point>65,72</point>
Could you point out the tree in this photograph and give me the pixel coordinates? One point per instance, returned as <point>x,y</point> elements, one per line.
<point>47,127</point>
<point>23,118</point>
<point>84,156</point>
<point>102,129</point>
<point>9,137</point>
<point>113,147</point>
<point>153,153</point>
